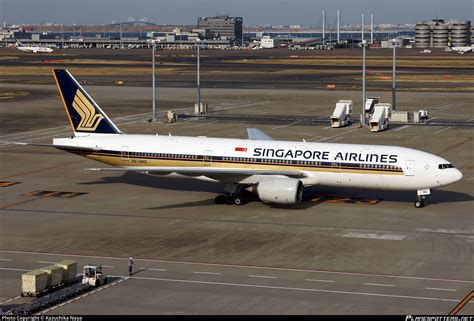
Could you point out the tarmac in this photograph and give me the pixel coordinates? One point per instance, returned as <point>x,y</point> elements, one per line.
<point>341,251</point>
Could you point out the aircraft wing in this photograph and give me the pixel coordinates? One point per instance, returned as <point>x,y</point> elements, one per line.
<point>205,171</point>
<point>257,134</point>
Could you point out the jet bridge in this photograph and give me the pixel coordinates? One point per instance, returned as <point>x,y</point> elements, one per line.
<point>379,120</point>
<point>342,114</point>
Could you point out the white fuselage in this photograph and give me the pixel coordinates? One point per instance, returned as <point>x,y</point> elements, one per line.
<point>35,49</point>
<point>349,165</point>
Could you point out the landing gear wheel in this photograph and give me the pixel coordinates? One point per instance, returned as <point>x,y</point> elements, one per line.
<point>419,204</point>
<point>238,200</point>
<point>220,199</point>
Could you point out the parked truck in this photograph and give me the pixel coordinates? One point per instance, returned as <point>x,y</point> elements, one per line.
<point>380,119</point>
<point>342,114</point>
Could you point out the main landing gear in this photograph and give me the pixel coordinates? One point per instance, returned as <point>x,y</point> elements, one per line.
<point>420,198</point>
<point>234,194</point>
<point>229,199</point>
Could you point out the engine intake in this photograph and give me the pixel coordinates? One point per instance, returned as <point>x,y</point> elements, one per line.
<point>280,190</point>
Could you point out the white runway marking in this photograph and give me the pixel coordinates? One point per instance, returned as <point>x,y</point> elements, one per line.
<point>299,289</point>
<point>109,266</point>
<point>262,276</point>
<point>12,269</point>
<point>240,266</point>
<point>9,260</point>
<point>210,273</point>
<point>287,125</point>
<point>378,284</point>
<point>333,140</point>
<point>400,128</point>
<point>442,230</point>
<point>442,130</point>
<point>440,289</point>
<point>314,280</point>
<point>46,262</point>
<point>375,236</point>
<point>340,134</point>
<point>161,270</point>
<point>9,300</point>
<point>327,127</point>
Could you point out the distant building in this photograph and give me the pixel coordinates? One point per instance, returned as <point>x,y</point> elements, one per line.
<point>437,32</point>
<point>223,27</point>
<point>266,42</point>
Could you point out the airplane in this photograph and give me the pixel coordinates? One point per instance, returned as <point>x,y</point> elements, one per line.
<point>33,49</point>
<point>276,171</point>
<point>458,49</point>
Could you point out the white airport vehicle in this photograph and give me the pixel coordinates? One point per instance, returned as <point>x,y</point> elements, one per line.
<point>426,51</point>
<point>92,275</point>
<point>458,49</point>
<point>33,49</point>
<point>424,114</point>
<point>370,103</point>
<point>380,119</point>
<point>277,171</point>
<point>342,114</point>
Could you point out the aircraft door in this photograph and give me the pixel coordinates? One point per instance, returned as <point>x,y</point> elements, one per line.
<point>125,153</point>
<point>409,169</point>
<point>207,158</point>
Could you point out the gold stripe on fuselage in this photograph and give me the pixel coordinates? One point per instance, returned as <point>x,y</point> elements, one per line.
<point>124,160</point>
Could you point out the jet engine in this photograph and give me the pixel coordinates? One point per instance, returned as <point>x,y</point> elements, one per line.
<point>280,190</point>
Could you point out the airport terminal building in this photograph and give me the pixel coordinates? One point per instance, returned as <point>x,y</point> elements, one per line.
<point>223,27</point>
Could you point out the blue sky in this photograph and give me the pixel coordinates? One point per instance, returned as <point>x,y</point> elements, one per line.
<point>275,12</point>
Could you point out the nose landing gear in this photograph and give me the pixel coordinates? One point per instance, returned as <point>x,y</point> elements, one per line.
<point>420,198</point>
<point>420,202</point>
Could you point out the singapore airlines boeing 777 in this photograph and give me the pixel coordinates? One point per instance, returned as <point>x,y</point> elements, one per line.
<point>277,171</point>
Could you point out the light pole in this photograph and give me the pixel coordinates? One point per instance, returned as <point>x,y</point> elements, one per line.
<point>153,116</point>
<point>394,88</point>
<point>364,44</point>
<point>198,75</point>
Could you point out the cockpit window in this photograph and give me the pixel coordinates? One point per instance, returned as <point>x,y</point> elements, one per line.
<point>444,166</point>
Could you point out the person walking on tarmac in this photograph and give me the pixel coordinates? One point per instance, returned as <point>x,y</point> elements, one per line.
<point>130,265</point>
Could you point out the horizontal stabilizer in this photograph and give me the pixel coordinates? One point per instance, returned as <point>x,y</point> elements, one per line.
<point>63,147</point>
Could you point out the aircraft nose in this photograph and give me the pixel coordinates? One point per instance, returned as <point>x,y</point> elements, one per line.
<point>457,175</point>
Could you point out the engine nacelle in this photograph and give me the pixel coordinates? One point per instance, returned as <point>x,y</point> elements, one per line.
<point>280,190</point>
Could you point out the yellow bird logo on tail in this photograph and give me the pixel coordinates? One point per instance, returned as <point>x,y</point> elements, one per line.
<point>89,118</point>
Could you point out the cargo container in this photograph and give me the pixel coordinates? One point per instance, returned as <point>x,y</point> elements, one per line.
<point>69,268</point>
<point>34,283</point>
<point>55,275</point>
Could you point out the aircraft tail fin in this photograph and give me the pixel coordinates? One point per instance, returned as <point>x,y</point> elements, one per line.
<point>83,112</point>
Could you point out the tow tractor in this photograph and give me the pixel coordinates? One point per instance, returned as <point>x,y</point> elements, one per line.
<point>93,276</point>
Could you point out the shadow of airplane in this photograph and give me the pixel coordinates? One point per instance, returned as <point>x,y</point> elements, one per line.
<point>193,185</point>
